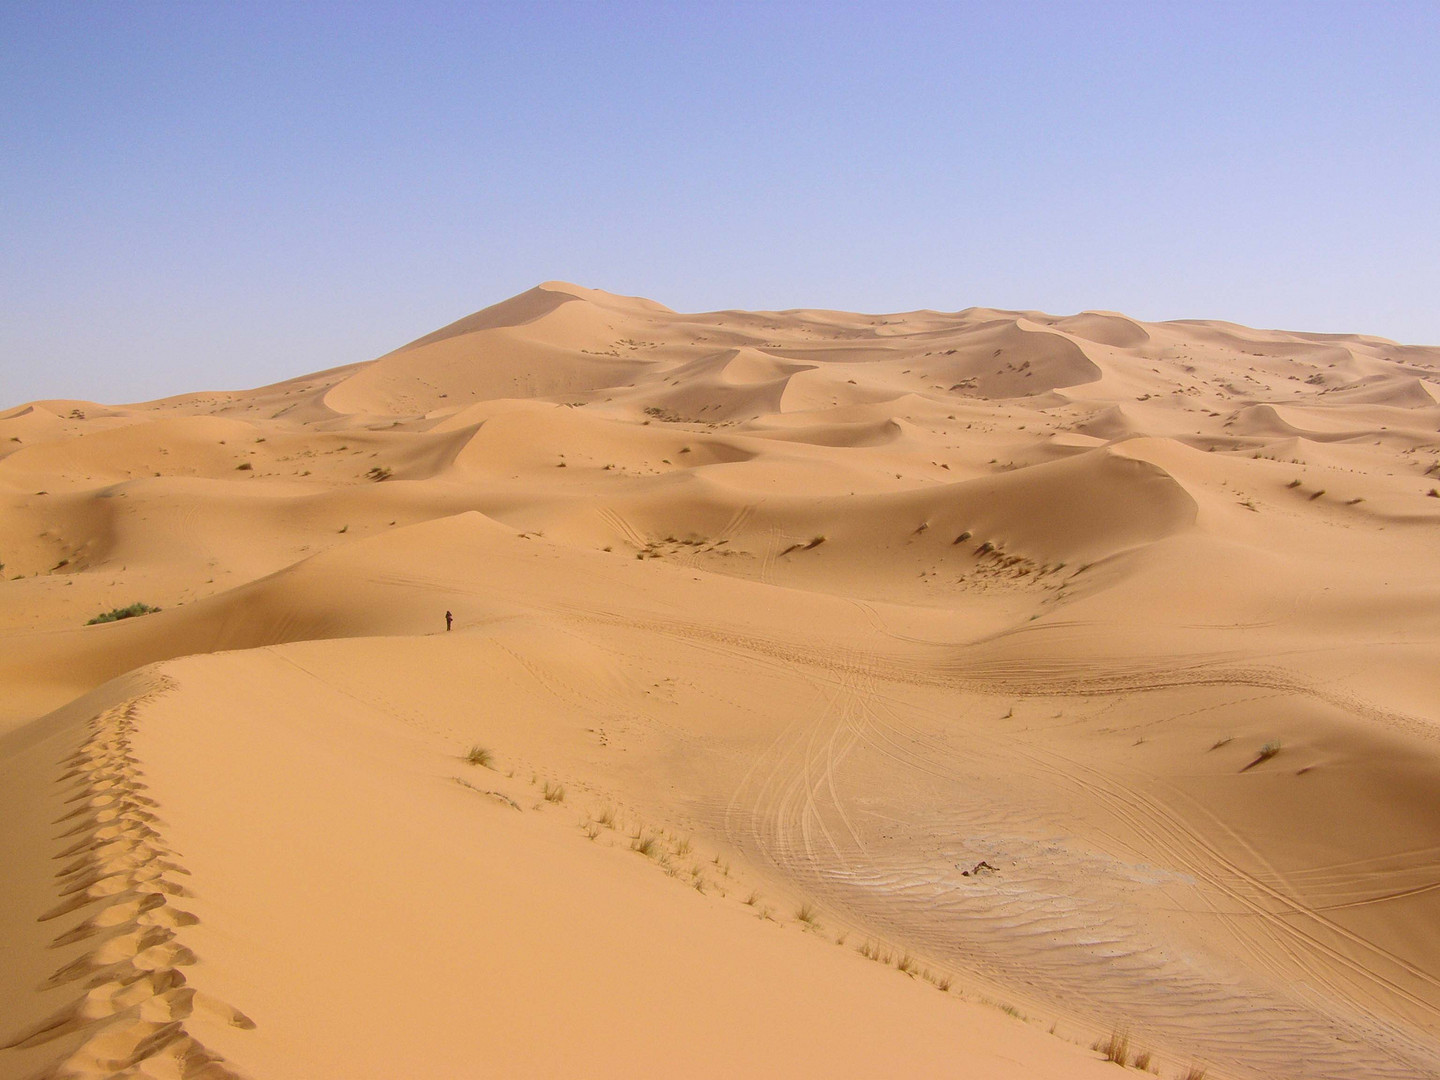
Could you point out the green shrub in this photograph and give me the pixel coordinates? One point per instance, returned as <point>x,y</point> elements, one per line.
<point>115,614</point>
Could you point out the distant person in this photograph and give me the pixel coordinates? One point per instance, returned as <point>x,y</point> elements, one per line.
<point>448,620</point>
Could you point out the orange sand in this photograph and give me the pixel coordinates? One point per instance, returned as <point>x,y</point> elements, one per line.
<point>821,611</point>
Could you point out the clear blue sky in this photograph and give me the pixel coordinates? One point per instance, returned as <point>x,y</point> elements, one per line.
<point>217,195</point>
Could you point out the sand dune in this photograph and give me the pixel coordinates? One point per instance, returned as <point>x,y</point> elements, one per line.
<point>860,695</point>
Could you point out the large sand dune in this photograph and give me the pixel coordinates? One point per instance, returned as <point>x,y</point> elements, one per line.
<point>925,694</point>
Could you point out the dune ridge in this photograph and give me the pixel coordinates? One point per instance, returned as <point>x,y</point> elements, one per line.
<point>1073,664</point>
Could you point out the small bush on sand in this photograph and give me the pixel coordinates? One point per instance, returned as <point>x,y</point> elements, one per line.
<point>554,792</point>
<point>478,755</point>
<point>116,614</point>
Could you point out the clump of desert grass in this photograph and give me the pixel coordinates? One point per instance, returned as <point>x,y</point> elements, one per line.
<point>873,951</point>
<point>1116,1048</point>
<point>1268,751</point>
<point>479,755</point>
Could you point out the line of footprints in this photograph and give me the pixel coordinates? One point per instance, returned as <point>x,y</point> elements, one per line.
<point>122,880</point>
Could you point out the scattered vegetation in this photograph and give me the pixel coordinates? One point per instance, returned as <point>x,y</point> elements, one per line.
<point>806,914</point>
<point>1142,1060</point>
<point>244,466</point>
<point>554,792</point>
<point>116,614</point>
<point>644,844</point>
<point>379,473</point>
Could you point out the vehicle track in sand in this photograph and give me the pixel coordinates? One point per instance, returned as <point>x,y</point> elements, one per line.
<point>1057,925</point>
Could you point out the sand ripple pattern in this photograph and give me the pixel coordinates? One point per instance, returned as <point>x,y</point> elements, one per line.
<point>122,882</point>
<point>1055,923</point>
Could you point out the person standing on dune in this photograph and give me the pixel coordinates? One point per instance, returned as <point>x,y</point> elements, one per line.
<point>448,620</point>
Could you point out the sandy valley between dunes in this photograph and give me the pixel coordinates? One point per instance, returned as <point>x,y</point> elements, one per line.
<point>930,694</point>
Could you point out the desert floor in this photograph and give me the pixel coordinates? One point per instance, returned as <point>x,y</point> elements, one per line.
<point>928,694</point>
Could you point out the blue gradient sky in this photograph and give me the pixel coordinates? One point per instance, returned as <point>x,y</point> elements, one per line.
<point>201,196</point>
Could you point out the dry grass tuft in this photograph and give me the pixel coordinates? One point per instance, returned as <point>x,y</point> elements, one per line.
<point>554,792</point>
<point>806,914</point>
<point>1116,1048</point>
<point>478,755</point>
<point>871,951</point>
